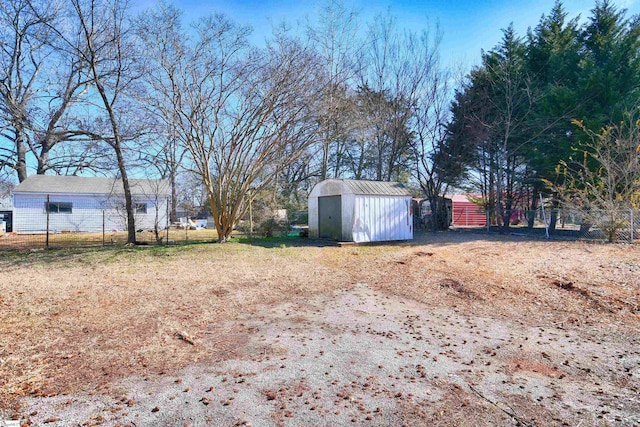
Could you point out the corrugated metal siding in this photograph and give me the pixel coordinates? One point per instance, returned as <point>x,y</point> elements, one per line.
<point>376,188</point>
<point>466,213</point>
<point>382,218</point>
<point>348,201</point>
<point>371,210</point>
<point>313,217</point>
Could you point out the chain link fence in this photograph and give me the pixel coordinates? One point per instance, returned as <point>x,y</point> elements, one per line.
<point>597,225</point>
<point>49,222</point>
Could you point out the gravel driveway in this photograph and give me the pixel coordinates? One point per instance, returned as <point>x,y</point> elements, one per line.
<point>362,357</point>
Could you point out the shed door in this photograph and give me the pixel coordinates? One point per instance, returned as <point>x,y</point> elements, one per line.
<point>330,217</point>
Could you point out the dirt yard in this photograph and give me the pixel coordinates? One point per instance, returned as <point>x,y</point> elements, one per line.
<point>453,328</point>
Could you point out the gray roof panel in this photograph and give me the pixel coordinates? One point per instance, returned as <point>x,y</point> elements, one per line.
<point>376,188</point>
<point>53,184</point>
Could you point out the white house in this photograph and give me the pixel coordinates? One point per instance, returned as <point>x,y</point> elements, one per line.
<point>360,211</point>
<point>86,204</point>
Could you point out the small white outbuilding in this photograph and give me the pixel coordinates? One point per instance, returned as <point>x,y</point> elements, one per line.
<point>86,204</point>
<point>360,211</point>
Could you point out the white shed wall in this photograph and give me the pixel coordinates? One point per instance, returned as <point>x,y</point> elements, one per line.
<point>30,215</point>
<point>348,204</point>
<point>314,228</point>
<point>381,218</point>
<point>365,217</point>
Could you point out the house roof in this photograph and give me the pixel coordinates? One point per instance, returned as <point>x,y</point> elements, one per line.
<point>360,187</point>
<point>53,184</point>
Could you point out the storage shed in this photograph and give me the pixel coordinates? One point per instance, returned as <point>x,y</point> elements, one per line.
<point>360,211</point>
<point>466,213</point>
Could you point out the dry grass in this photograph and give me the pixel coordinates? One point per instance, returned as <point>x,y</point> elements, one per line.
<point>72,239</point>
<point>73,319</point>
<point>79,320</point>
<point>68,240</point>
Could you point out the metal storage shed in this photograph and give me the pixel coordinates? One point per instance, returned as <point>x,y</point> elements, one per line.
<point>466,213</point>
<point>360,211</point>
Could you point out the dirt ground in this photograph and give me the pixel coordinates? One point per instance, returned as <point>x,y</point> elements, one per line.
<point>452,328</point>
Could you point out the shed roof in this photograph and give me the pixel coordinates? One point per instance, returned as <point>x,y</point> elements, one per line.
<point>464,198</point>
<point>377,188</point>
<point>360,187</point>
<point>54,184</point>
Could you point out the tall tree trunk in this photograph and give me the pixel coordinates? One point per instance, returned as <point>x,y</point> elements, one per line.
<point>531,213</point>
<point>93,62</point>
<point>21,150</point>
<point>553,215</point>
<point>174,195</point>
<point>43,157</point>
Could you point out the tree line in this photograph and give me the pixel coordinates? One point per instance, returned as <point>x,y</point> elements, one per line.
<point>542,113</point>
<point>87,86</point>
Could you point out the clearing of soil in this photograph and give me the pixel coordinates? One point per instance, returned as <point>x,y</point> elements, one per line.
<point>451,329</point>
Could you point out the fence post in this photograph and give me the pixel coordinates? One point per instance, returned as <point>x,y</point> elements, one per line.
<point>167,222</point>
<point>544,218</point>
<point>46,241</point>
<point>102,227</point>
<point>632,224</point>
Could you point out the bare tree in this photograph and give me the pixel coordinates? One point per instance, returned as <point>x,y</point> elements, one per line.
<point>437,164</point>
<point>23,54</point>
<point>160,35</point>
<point>5,187</point>
<point>41,81</point>
<point>394,75</point>
<point>335,37</point>
<point>106,53</point>
<point>604,192</point>
<point>240,113</point>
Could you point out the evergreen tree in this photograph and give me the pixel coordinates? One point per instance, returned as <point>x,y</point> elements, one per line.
<point>553,60</point>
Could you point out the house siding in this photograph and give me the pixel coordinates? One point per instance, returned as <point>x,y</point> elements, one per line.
<point>89,213</point>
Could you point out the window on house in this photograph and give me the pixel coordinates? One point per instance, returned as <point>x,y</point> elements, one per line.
<point>59,207</point>
<point>141,208</point>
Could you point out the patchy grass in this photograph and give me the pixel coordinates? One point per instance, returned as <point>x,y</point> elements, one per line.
<point>84,239</point>
<point>80,320</point>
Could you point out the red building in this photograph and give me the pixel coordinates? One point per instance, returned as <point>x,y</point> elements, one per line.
<point>467,213</point>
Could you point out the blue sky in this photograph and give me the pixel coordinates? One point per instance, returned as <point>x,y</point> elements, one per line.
<point>467,26</point>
